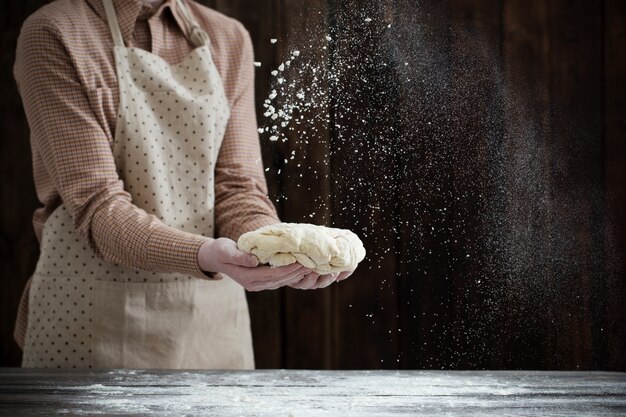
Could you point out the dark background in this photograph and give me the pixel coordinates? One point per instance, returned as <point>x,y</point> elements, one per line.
<point>481,156</point>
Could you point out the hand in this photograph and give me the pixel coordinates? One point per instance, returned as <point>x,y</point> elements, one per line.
<point>313,280</point>
<point>222,255</point>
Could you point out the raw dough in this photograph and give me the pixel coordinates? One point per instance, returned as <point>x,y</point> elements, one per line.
<point>324,249</point>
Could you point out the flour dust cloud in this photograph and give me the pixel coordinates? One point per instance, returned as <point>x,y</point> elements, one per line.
<point>442,162</point>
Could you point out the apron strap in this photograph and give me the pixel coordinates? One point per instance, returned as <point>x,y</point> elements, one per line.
<point>197,35</point>
<point>113,24</point>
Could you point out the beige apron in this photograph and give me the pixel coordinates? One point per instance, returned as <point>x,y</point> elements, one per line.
<point>85,312</point>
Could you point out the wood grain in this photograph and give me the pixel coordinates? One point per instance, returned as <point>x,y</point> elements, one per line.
<point>312,393</point>
<point>476,134</point>
<point>552,290</point>
<point>575,86</point>
<point>527,137</point>
<point>364,181</point>
<point>305,174</point>
<point>19,249</point>
<point>265,308</point>
<point>425,290</point>
<point>615,173</point>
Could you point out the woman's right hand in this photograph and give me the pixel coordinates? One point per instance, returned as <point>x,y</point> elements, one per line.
<point>222,255</point>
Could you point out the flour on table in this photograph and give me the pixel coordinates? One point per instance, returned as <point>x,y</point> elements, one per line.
<point>324,249</point>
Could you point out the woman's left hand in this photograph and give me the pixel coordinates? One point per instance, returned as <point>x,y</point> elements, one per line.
<point>314,281</point>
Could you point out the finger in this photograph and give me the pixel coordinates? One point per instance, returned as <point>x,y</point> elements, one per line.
<point>324,281</point>
<point>301,282</point>
<point>238,257</point>
<point>277,282</point>
<point>261,273</point>
<point>288,283</point>
<point>344,275</point>
<point>296,283</point>
<point>308,282</point>
<point>279,271</point>
<point>252,280</point>
<point>293,277</point>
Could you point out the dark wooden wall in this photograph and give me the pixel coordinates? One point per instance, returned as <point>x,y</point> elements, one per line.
<point>481,158</point>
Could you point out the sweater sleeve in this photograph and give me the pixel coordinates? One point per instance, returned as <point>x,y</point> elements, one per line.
<point>77,155</point>
<point>242,203</point>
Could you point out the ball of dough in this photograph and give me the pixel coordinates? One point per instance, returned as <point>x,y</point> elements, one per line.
<point>324,249</point>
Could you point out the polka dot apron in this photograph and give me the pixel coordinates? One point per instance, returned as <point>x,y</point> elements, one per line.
<point>85,312</point>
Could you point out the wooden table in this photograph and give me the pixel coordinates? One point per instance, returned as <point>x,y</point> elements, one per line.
<point>311,393</point>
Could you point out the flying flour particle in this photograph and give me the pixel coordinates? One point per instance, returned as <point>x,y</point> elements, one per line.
<point>419,65</point>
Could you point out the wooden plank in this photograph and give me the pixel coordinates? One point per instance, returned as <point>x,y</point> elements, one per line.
<point>19,249</point>
<point>564,307</point>
<point>311,393</point>
<point>364,181</point>
<point>527,245</point>
<point>451,61</point>
<point>615,168</point>
<point>305,167</point>
<point>476,116</point>
<point>553,52</point>
<point>576,40</point>
<point>265,307</point>
<point>424,171</point>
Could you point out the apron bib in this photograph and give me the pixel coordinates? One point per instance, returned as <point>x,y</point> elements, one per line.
<point>85,312</point>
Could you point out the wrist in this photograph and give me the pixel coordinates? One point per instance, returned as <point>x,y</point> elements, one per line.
<point>205,257</point>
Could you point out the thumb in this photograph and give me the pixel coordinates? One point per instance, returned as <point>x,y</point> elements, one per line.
<point>250,260</point>
<point>241,258</point>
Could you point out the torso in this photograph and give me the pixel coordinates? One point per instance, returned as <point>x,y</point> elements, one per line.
<point>87,39</point>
